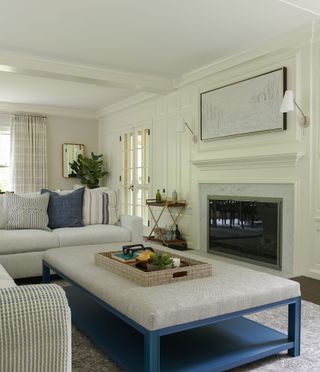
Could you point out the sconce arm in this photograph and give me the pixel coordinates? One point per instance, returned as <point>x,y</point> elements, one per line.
<point>306,119</point>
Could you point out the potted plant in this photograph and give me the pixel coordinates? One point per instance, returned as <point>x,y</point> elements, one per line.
<point>88,170</point>
<point>159,261</point>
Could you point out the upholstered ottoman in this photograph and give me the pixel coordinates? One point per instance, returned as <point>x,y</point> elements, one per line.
<point>199,323</point>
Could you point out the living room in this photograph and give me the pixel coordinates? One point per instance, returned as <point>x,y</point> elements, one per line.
<point>148,86</point>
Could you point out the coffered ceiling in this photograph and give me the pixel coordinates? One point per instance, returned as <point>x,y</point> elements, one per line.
<point>92,53</point>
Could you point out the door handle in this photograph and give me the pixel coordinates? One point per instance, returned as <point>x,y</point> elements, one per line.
<point>131,187</point>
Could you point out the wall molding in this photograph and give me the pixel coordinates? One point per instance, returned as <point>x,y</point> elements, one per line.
<point>125,103</point>
<point>12,108</point>
<point>314,272</point>
<point>247,162</point>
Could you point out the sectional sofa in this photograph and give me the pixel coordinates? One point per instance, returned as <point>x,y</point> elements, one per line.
<point>21,251</point>
<point>35,327</point>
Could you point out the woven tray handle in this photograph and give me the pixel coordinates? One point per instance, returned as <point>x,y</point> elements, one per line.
<point>178,275</point>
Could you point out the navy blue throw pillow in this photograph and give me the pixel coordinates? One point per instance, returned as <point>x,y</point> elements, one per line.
<point>65,210</point>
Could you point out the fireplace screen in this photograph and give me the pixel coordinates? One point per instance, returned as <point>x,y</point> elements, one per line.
<point>245,228</point>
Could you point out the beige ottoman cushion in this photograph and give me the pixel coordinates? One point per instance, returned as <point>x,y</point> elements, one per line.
<point>231,288</point>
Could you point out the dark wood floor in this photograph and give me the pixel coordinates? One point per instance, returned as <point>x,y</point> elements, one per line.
<point>310,289</point>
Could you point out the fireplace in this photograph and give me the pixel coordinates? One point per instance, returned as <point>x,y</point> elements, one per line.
<point>246,228</point>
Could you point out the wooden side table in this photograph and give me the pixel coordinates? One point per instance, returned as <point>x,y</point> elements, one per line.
<point>165,206</point>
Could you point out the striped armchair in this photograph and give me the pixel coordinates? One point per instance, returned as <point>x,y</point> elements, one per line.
<point>35,329</point>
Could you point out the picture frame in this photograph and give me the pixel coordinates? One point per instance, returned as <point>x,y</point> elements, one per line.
<point>70,152</point>
<point>244,107</point>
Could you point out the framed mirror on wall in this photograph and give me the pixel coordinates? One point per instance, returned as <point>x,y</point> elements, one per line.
<point>70,152</point>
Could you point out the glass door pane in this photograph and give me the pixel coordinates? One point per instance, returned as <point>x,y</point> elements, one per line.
<point>135,172</point>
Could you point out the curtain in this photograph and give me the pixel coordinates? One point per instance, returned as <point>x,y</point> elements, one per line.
<point>28,153</point>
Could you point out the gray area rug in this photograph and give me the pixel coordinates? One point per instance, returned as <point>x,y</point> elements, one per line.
<point>87,357</point>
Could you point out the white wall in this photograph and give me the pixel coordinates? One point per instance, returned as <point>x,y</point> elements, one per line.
<point>291,156</point>
<point>61,130</point>
<point>4,122</point>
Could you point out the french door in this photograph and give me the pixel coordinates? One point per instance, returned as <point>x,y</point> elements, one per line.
<point>135,179</point>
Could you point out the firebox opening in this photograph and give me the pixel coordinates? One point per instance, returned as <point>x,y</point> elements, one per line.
<point>246,228</point>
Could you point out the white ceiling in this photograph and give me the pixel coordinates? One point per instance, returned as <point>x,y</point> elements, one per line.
<point>165,38</point>
<point>50,92</point>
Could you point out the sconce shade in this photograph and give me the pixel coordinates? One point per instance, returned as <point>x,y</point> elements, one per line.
<point>287,104</point>
<point>181,127</point>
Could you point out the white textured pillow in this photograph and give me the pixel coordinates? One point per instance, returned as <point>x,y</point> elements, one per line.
<point>25,212</point>
<point>99,206</point>
<point>3,212</point>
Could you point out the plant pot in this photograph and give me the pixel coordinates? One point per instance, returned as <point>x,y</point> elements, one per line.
<point>152,267</point>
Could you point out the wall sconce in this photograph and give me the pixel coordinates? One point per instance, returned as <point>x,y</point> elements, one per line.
<point>181,128</point>
<point>288,104</point>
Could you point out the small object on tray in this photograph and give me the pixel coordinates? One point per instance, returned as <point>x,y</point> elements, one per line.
<point>176,262</point>
<point>119,256</point>
<point>129,250</point>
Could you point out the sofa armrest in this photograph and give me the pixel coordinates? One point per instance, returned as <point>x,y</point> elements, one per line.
<point>134,224</point>
<point>35,329</point>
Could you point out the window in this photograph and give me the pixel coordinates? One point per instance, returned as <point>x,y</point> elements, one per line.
<point>135,172</point>
<point>4,160</point>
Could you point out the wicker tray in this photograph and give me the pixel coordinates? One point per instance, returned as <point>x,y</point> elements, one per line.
<point>192,269</point>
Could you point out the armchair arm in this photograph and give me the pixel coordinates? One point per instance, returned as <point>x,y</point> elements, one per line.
<point>134,224</point>
<point>35,329</point>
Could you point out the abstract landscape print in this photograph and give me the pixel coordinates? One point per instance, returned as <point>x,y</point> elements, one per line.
<point>245,107</point>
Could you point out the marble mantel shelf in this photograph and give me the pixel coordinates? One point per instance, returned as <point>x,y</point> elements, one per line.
<point>253,161</point>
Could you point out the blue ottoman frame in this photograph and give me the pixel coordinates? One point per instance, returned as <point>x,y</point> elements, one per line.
<point>268,341</point>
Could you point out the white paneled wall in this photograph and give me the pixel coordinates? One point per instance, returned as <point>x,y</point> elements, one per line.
<point>314,265</point>
<point>170,151</point>
<point>291,156</point>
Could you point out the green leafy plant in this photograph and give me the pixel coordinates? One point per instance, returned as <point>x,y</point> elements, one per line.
<point>88,170</point>
<point>161,259</point>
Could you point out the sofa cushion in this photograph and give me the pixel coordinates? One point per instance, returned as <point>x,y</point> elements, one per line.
<point>92,234</point>
<point>27,212</point>
<point>18,241</point>
<point>3,212</point>
<point>65,210</point>
<point>5,279</point>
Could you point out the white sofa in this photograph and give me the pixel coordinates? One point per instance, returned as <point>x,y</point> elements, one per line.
<point>21,251</point>
<point>30,314</point>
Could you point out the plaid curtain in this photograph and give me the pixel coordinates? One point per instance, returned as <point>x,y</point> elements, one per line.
<point>28,153</point>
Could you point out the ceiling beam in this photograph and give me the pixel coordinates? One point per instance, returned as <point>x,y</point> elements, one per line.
<point>16,108</point>
<point>23,65</point>
<point>303,8</point>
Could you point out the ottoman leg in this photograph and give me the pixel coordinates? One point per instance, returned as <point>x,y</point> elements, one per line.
<point>294,326</point>
<point>152,352</point>
<point>45,273</point>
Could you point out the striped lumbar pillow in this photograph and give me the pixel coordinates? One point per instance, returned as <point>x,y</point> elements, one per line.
<point>27,212</point>
<point>99,206</point>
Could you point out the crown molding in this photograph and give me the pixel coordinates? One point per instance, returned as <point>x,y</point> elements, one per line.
<point>31,66</point>
<point>125,103</point>
<point>254,161</point>
<point>285,42</point>
<point>46,110</point>
<point>297,6</point>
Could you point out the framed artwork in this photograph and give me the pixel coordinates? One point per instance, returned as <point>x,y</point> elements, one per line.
<point>245,107</point>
